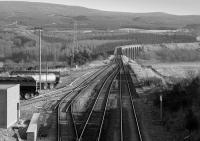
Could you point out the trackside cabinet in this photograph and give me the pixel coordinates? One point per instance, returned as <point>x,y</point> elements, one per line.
<point>9,104</point>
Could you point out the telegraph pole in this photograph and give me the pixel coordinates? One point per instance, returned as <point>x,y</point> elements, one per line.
<point>46,71</point>
<point>74,42</point>
<point>161,107</point>
<point>40,53</point>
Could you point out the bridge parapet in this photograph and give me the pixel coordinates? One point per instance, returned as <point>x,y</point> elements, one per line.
<point>131,51</point>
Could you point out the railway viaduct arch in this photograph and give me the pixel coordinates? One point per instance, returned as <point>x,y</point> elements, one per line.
<point>130,51</point>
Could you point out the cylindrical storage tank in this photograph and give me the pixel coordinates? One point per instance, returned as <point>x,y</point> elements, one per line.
<point>50,78</point>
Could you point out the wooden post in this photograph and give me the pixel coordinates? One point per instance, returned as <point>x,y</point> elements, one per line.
<point>161,108</point>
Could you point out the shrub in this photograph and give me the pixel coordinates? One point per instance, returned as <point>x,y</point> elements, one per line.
<point>191,121</point>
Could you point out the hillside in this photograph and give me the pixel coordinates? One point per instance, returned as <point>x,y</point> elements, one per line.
<point>62,16</point>
<point>19,43</point>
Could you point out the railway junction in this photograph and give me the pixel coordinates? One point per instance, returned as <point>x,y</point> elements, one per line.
<point>109,112</point>
<point>99,105</point>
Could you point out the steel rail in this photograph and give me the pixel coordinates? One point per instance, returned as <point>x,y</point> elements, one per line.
<point>82,85</point>
<point>58,116</point>
<point>96,100</point>
<point>133,107</point>
<point>121,108</point>
<point>59,90</point>
<point>104,111</point>
<point>69,103</point>
<point>74,124</point>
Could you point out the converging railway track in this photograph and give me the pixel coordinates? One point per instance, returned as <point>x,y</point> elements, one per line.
<point>66,129</point>
<point>130,128</point>
<point>62,91</point>
<point>92,126</point>
<point>121,121</point>
<point>110,115</point>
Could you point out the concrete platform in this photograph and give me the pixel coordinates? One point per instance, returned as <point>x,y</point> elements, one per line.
<point>9,104</point>
<point>32,130</point>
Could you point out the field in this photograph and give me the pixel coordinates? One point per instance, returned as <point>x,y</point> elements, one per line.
<point>179,65</point>
<point>177,60</point>
<point>178,70</point>
<point>174,60</point>
<point>174,69</point>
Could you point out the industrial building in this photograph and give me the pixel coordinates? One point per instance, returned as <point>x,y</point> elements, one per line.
<point>9,104</point>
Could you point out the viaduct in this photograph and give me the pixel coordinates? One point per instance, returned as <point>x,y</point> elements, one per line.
<point>130,51</point>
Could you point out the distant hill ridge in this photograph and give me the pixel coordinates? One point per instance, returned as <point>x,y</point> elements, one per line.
<point>63,16</point>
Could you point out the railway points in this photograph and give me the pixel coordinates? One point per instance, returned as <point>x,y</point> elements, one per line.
<point>93,123</point>
<point>67,102</point>
<point>109,115</point>
<point>98,107</point>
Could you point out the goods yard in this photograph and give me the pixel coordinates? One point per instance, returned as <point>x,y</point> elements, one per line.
<point>29,81</point>
<point>98,105</point>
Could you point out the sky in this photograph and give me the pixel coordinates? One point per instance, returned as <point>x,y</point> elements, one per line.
<point>178,7</point>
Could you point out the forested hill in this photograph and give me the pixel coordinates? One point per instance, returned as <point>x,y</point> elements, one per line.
<point>62,16</point>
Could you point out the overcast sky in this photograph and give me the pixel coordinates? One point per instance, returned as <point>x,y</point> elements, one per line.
<point>179,7</point>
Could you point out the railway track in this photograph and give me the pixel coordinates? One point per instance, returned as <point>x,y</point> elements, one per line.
<point>120,121</point>
<point>61,91</point>
<point>110,116</point>
<point>110,126</point>
<point>81,85</point>
<point>92,126</point>
<point>130,128</point>
<point>65,118</point>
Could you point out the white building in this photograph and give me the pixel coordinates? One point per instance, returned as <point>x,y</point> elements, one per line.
<point>9,104</point>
